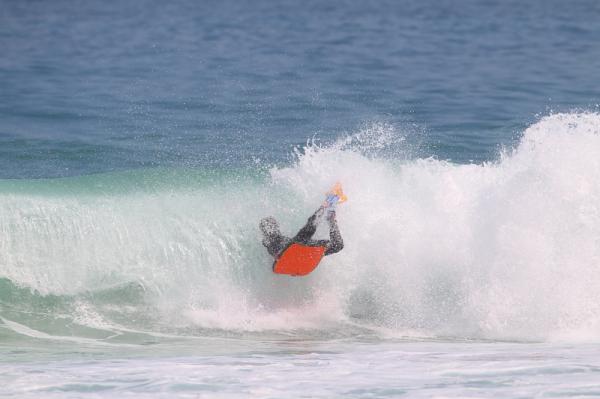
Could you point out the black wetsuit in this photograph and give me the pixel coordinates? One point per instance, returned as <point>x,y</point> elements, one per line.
<point>277,244</point>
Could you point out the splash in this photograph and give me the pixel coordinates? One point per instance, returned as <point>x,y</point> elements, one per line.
<point>502,250</point>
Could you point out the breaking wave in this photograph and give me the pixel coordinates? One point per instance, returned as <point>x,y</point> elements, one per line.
<point>508,249</point>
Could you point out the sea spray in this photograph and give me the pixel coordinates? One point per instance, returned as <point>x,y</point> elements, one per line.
<point>502,250</point>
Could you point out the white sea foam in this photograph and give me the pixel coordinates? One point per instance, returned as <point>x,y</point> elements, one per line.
<point>502,250</point>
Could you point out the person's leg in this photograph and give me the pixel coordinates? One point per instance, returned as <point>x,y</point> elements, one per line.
<point>309,228</point>
<point>336,244</point>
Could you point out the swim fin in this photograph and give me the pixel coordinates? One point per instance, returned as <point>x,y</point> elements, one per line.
<point>334,196</point>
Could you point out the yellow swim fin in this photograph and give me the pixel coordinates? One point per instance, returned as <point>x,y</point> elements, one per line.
<point>335,195</point>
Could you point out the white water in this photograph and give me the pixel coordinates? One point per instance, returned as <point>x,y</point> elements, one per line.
<point>506,250</point>
<point>322,370</point>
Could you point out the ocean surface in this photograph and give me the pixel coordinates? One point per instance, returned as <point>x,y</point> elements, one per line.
<point>142,141</point>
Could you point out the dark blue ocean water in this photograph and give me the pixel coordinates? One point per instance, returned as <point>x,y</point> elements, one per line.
<point>101,86</point>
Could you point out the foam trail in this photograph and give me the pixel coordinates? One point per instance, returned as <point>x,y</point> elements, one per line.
<point>502,250</point>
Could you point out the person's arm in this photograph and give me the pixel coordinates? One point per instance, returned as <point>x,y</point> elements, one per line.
<point>335,244</point>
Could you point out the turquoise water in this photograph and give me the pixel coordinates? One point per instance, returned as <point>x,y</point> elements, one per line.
<point>140,143</point>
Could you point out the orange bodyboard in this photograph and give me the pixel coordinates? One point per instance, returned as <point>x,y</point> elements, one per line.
<point>299,260</point>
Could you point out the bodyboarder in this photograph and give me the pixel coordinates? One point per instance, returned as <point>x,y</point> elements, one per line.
<point>301,254</point>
